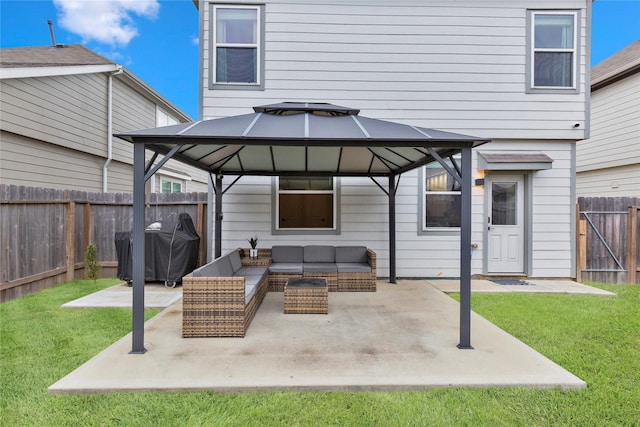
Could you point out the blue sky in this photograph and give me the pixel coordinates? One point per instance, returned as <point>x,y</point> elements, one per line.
<point>157,39</point>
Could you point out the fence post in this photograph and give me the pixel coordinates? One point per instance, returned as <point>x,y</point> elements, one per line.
<point>200,221</point>
<point>632,244</point>
<point>88,226</point>
<point>581,245</point>
<point>70,241</point>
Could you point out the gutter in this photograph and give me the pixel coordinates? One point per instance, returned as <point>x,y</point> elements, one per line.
<point>105,168</point>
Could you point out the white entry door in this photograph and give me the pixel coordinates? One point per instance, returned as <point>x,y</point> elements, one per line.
<point>505,224</point>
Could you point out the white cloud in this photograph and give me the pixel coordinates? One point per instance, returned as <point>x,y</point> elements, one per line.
<point>105,21</point>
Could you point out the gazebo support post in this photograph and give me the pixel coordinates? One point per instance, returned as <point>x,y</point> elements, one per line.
<point>392,229</point>
<point>465,252</point>
<point>138,256</point>
<point>218,215</point>
<point>210,205</point>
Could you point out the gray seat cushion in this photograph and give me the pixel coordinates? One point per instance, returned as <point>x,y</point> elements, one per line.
<point>252,275</point>
<point>319,267</point>
<point>253,280</point>
<point>317,253</point>
<point>286,267</point>
<point>351,254</point>
<point>251,271</point>
<point>249,292</point>
<point>353,267</point>
<point>287,254</point>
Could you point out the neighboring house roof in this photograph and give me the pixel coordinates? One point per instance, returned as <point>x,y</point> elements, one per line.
<point>50,56</point>
<point>616,67</point>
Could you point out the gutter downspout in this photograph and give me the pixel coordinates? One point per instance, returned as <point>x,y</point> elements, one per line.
<point>105,168</point>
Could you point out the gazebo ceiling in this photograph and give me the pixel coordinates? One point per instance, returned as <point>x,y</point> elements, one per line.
<point>302,139</point>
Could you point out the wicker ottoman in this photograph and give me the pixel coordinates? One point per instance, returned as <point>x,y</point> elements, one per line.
<point>306,295</point>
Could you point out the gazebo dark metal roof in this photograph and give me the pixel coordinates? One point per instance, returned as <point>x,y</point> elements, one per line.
<point>301,139</point>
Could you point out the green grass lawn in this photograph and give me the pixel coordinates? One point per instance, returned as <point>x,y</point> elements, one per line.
<point>596,338</point>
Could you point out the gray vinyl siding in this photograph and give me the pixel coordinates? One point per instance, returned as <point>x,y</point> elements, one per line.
<point>131,111</point>
<point>455,66</point>
<point>364,220</point>
<point>610,182</point>
<point>30,162</point>
<point>608,163</point>
<point>69,111</point>
<point>54,133</point>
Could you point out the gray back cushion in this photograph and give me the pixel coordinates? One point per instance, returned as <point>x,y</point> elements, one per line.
<point>204,271</point>
<point>286,254</point>
<point>218,268</point>
<point>319,253</point>
<point>234,258</point>
<point>351,254</point>
<point>224,266</point>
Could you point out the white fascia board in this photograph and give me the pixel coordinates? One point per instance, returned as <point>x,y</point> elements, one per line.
<point>23,72</point>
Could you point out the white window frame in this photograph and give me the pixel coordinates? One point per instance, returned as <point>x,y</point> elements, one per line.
<point>258,46</point>
<point>532,50</point>
<point>164,179</point>
<point>334,227</point>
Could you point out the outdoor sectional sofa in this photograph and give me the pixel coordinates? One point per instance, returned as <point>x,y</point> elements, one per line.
<point>221,298</point>
<point>346,268</point>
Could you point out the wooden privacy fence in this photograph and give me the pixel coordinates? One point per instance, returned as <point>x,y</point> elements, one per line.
<point>44,232</point>
<point>608,240</point>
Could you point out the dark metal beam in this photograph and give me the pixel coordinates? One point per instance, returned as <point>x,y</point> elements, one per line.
<point>162,161</point>
<point>465,252</point>
<point>138,256</point>
<point>218,215</point>
<point>392,229</point>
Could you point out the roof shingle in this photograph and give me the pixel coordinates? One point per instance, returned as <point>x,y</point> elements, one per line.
<point>50,56</point>
<point>618,62</point>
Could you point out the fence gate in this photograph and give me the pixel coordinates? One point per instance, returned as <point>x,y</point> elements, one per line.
<point>607,246</point>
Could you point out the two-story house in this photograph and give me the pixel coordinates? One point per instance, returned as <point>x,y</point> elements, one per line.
<point>514,72</point>
<point>61,105</point>
<point>608,163</point>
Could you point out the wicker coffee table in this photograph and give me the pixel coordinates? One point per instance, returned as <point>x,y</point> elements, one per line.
<point>306,295</point>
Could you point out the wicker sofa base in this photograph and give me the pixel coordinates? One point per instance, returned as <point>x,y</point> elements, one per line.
<point>214,306</point>
<point>277,281</point>
<point>306,300</point>
<point>356,282</point>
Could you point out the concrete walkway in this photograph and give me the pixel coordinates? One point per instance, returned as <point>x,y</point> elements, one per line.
<point>155,296</point>
<point>402,337</point>
<point>534,286</point>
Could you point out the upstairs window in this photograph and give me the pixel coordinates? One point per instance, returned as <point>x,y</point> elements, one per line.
<point>306,204</point>
<point>236,49</point>
<point>553,56</point>
<point>442,198</point>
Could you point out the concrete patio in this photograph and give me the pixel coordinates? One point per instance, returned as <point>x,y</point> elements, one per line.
<point>402,337</point>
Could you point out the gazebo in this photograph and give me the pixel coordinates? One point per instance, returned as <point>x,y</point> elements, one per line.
<point>301,139</point>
